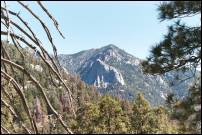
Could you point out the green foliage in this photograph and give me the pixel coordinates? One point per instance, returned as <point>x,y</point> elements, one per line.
<point>111,116</point>
<point>149,120</point>
<point>87,118</point>
<point>140,116</point>
<point>177,9</point>
<point>104,117</point>
<point>94,113</point>
<point>55,103</point>
<point>188,111</point>
<point>180,50</point>
<point>181,45</point>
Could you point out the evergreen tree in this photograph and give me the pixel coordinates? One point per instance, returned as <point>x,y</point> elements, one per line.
<point>111,116</point>
<point>179,50</point>
<point>188,111</point>
<point>146,120</point>
<point>161,122</point>
<point>140,115</point>
<point>87,118</point>
<point>182,45</point>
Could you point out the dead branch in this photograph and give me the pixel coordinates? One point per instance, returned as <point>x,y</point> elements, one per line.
<point>6,130</point>
<point>51,17</point>
<point>33,42</point>
<point>9,107</point>
<point>49,65</point>
<point>41,88</point>
<point>44,27</point>
<point>21,94</point>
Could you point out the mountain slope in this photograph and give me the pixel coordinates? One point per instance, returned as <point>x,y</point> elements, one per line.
<point>114,71</point>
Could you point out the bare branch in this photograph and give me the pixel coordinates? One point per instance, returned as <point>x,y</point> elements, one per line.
<point>9,107</point>
<point>51,17</point>
<point>41,89</point>
<point>44,27</point>
<point>6,130</point>
<point>32,42</point>
<point>21,94</point>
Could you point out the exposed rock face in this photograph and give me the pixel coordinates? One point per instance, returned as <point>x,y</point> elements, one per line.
<point>101,74</point>
<point>36,67</point>
<point>114,71</point>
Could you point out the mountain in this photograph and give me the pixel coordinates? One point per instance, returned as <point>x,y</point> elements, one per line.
<point>114,71</point>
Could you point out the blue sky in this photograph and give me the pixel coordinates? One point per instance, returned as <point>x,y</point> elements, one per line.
<point>132,26</point>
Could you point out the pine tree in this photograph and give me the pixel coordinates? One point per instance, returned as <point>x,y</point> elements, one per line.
<point>87,118</point>
<point>111,118</point>
<point>140,115</point>
<point>146,119</point>
<point>161,122</point>
<point>188,111</point>
<point>179,50</point>
<point>182,45</point>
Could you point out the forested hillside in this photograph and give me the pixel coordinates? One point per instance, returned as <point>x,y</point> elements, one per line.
<point>39,96</point>
<point>94,113</point>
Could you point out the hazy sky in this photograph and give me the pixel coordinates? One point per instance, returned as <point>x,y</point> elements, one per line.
<point>132,26</point>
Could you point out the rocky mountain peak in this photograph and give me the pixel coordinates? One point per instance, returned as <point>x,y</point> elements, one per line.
<point>111,69</point>
<point>109,49</point>
<point>101,74</point>
<point>110,46</point>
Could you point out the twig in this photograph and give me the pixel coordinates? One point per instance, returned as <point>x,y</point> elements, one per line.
<point>41,89</point>
<point>44,27</point>
<point>21,94</point>
<point>8,132</point>
<point>6,60</point>
<point>49,65</point>
<point>51,17</point>
<point>9,107</point>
